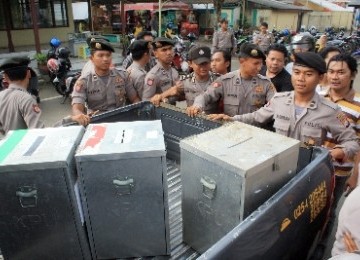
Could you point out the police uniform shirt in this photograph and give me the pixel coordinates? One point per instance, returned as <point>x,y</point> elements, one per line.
<point>192,88</point>
<point>137,73</point>
<point>223,40</point>
<point>265,40</point>
<point>103,93</point>
<point>281,81</point>
<point>240,96</point>
<point>311,127</point>
<point>18,110</point>
<point>158,80</point>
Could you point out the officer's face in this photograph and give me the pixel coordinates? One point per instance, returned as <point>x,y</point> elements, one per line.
<point>165,54</point>
<point>102,60</point>
<point>218,63</point>
<point>275,61</point>
<point>305,79</point>
<point>263,29</point>
<point>339,75</point>
<point>250,67</point>
<point>202,69</point>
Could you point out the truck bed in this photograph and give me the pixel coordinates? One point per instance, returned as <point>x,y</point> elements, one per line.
<point>286,226</point>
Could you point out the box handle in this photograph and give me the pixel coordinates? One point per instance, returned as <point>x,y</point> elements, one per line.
<point>124,187</point>
<point>27,196</point>
<point>208,187</point>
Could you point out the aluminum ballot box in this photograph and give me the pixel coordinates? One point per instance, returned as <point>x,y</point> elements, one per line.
<point>40,214</point>
<point>227,173</point>
<point>123,170</point>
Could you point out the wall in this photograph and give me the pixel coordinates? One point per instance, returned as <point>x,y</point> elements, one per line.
<point>325,19</point>
<point>281,20</point>
<point>23,38</point>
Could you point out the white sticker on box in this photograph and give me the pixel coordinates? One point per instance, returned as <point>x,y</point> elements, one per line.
<point>124,136</point>
<point>152,134</point>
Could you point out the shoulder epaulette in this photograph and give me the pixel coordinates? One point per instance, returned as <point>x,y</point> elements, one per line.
<point>184,77</point>
<point>229,75</point>
<point>263,77</point>
<point>282,94</point>
<point>328,103</point>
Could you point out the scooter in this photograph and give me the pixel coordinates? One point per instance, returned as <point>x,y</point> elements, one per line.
<point>59,71</point>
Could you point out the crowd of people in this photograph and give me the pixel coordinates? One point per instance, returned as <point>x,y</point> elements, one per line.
<point>313,100</point>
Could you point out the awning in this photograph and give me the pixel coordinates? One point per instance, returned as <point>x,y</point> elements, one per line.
<point>272,4</point>
<point>155,6</point>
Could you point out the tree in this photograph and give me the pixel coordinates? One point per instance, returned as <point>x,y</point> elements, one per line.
<point>218,5</point>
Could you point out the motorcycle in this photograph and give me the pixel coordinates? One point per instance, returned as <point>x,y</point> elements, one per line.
<point>33,87</point>
<point>59,71</point>
<point>181,48</point>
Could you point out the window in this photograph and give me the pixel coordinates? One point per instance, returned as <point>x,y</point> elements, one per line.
<point>50,13</point>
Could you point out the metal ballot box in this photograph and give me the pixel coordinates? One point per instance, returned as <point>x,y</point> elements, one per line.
<point>228,173</point>
<point>40,217</point>
<point>123,171</point>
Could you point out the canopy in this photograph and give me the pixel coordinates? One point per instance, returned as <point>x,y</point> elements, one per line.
<point>155,6</point>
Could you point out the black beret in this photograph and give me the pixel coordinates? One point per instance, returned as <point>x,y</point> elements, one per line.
<point>95,37</point>
<point>15,62</point>
<point>200,54</point>
<point>311,60</point>
<point>101,45</point>
<point>251,50</point>
<point>139,45</point>
<point>162,42</point>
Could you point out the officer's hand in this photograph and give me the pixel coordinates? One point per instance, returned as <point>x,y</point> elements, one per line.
<point>193,111</point>
<point>337,154</point>
<point>81,119</point>
<point>156,100</point>
<point>350,243</point>
<point>219,117</point>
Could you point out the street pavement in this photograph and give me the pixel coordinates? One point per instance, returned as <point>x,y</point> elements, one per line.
<point>54,110</point>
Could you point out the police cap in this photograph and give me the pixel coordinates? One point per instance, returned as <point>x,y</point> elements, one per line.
<point>249,50</point>
<point>139,45</point>
<point>311,60</point>
<point>101,45</point>
<point>162,42</point>
<point>95,37</point>
<point>200,54</point>
<point>15,62</point>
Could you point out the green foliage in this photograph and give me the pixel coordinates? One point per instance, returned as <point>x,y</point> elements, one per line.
<point>41,58</point>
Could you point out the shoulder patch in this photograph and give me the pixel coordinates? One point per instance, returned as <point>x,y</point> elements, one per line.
<point>343,119</point>
<point>36,108</point>
<point>79,85</point>
<point>150,82</point>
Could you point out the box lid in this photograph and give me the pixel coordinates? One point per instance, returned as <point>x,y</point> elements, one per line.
<point>29,149</point>
<point>238,146</point>
<point>122,140</point>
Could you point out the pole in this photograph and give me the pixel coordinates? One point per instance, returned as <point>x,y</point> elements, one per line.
<point>35,26</point>
<point>159,34</point>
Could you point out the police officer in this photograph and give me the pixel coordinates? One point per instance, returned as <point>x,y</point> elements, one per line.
<point>19,110</point>
<point>140,52</point>
<point>147,36</point>
<point>197,82</point>
<point>104,88</point>
<point>303,114</point>
<point>243,91</point>
<point>163,76</point>
<point>263,39</point>
<point>224,38</point>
